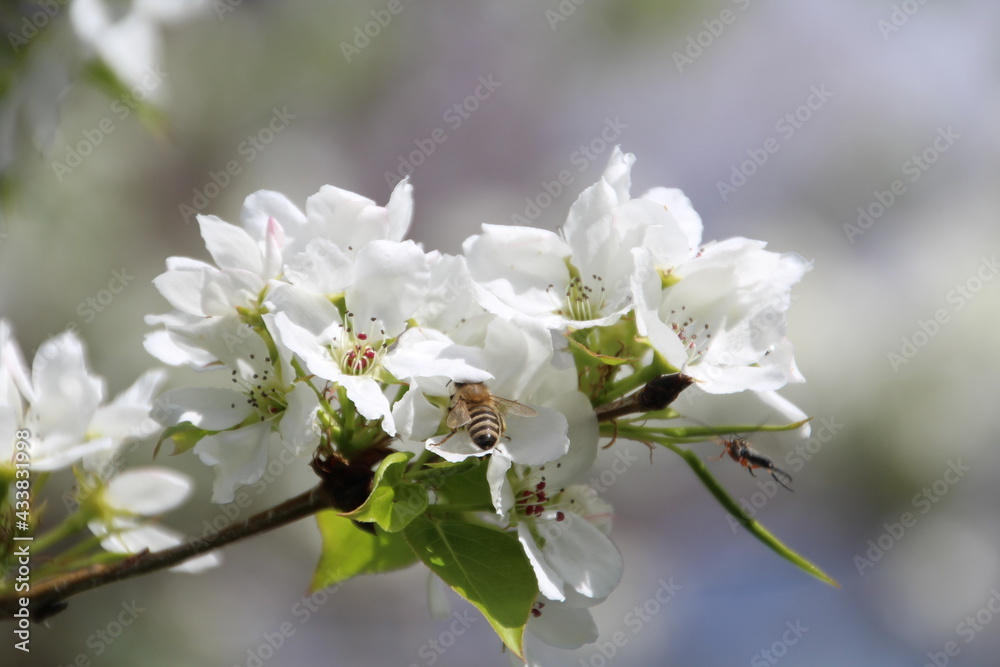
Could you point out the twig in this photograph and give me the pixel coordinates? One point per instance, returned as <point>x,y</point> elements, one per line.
<point>48,596</point>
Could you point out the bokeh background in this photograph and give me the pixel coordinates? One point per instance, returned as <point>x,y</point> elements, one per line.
<point>863,102</point>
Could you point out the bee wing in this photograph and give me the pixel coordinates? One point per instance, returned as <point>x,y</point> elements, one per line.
<point>513,407</point>
<point>459,415</point>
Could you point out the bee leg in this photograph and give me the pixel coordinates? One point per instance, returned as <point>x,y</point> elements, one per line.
<point>438,444</point>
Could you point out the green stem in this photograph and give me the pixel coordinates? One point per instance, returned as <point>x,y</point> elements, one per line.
<point>69,526</point>
<point>734,509</point>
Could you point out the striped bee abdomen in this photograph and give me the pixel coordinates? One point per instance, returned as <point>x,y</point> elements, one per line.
<point>485,426</point>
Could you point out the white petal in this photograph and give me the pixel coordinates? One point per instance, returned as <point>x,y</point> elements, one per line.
<point>563,626</point>
<point>416,418</point>
<point>298,425</point>
<point>550,584</point>
<point>400,210</point>
<point>147,491</point>
<point>303,308</point>
<point>230,246</point>
<point>517,266</point>
<point>787,409</point>
<point>239,457</point>
<point>582,555</point>
<point>168,348</point>
<point>369,400</point>
<point>500,489</point>
<point>210,408</point>
<point>680,208</point>
<point>261,206</point>
<point>535,440</point>
<point>322,268</point>
<point>56,453</point>
<point>428,353</point>
<point>390,282</point>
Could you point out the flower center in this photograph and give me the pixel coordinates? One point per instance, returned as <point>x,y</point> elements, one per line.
<point>582,300</point>
<point>264,393</point>
<point>533,499</point>
<point>357,352</point>
<point>696,335</point>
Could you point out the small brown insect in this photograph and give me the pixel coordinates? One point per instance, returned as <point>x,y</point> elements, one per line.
<point>740,451</point>
<point>481,413</point>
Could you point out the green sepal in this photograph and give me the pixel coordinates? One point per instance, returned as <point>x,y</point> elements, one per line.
<point>349,551</point>
<point>485,566</point>
<point>392,503</point>
<point>184,436</point>
<point>605,359</point>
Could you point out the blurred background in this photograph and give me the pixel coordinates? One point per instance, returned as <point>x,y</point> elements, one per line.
<point>863,136</point>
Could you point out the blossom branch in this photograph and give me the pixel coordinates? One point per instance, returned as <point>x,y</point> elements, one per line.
<point>48,596</point>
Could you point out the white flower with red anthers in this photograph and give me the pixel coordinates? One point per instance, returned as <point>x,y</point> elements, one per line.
<point>720,316</point>
<point>369,344</point>
<point>564,534</point>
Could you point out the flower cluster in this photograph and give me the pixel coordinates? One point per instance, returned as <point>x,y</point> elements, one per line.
<point>59,409</point>
<point>341,342</point>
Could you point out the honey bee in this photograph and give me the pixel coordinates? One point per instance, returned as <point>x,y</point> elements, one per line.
<point>481,413</point>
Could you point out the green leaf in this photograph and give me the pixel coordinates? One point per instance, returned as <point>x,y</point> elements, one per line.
<point>184,436</point>
<point>392,503</point>
<point>349,550</point>
<point>483,565</point>
<point>468,487</point>
<point>747,521</point>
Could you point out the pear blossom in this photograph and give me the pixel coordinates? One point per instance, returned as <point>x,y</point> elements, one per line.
<point>580,278</point>
<point>720,316</point>
<point>242,416</point>
<point>138,493</point>
<point>62,404</point>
